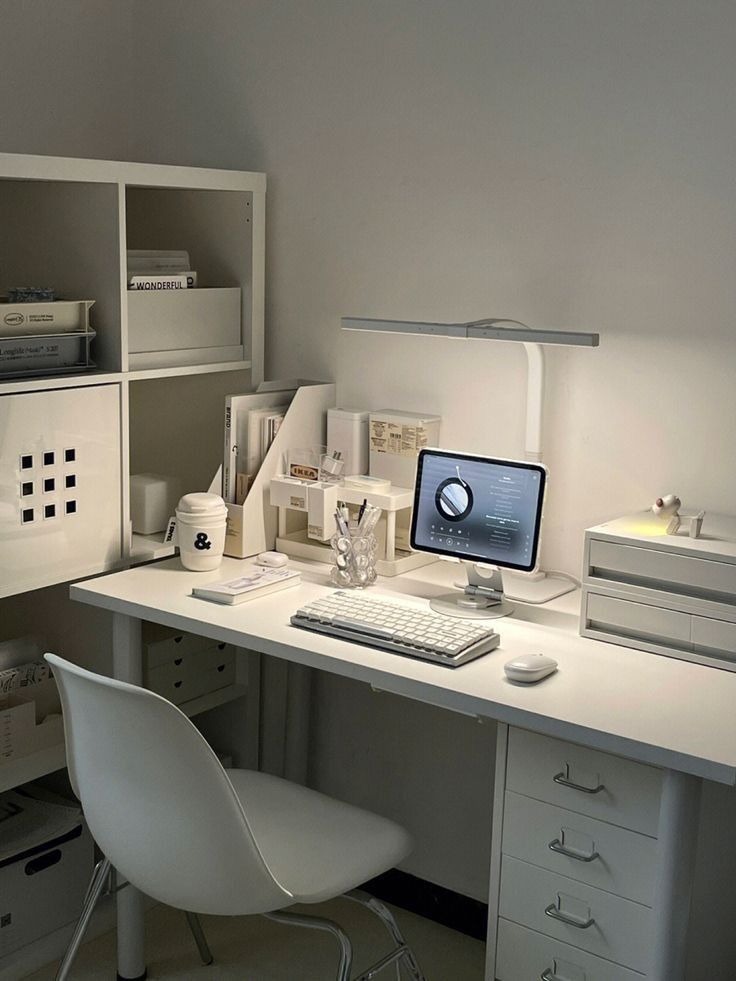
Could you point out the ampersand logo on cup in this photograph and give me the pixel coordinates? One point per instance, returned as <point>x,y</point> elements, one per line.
<point>202,542</point>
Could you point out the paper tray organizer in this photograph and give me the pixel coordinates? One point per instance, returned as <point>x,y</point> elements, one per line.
<point>47,354</point>
<point>30,720</point>
<point>253,525</point>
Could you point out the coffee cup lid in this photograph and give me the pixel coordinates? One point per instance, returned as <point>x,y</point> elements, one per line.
<point>201,504</point>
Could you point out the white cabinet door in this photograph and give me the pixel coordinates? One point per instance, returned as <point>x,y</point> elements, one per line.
<point>60,486</point>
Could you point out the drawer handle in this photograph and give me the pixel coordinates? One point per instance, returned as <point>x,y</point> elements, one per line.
<point>553,912</point>
<point>549,975</point>
<point>562,779</point>
<point>557,846</point>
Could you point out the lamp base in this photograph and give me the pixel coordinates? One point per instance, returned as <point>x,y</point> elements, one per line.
<point>538,590</point>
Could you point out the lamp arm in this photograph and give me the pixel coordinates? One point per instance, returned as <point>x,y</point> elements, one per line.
<point>534,401</point>
<point>534,386</point>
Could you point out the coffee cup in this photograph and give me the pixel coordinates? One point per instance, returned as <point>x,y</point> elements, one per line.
<point>201,520</point>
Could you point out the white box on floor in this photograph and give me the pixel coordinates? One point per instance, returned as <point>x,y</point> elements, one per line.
<point>42,886</point>
<point>395,441</point>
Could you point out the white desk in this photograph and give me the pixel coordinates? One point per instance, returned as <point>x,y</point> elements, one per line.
<point>652,709</point>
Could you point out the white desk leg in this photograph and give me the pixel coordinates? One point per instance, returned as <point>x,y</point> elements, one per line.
<point>499,797</point>
<point>127,665</point>
<point>677,841</point>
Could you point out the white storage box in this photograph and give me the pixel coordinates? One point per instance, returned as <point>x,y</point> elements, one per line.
<point>395,441</point>
<point>176,319</point>
<point>44,868</point>
<point>55,317</point>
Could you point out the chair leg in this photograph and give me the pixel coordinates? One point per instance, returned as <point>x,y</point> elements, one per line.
<point>199,938</point>
<point>384,914</point>
<point>94,889</point>
<point>319,923</point>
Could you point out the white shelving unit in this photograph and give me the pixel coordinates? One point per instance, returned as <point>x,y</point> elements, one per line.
<point>67,223</point>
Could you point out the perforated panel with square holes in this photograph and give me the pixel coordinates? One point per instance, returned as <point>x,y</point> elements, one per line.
<point>60,504</point>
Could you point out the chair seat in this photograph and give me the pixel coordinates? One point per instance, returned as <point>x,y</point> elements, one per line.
<point>315,846</point>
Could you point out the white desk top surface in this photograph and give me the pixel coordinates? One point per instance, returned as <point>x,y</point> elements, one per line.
<point>644,706</point>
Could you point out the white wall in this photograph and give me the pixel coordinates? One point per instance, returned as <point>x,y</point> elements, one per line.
<point>568,163</point>
<point>70,80</point>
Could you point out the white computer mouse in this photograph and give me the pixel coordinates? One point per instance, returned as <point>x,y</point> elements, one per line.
<point>530,668</point>
<point>273,560</point>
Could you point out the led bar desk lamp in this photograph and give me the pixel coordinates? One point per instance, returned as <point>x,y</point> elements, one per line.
<point>537,587</point>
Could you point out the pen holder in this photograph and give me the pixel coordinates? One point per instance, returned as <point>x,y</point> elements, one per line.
<point>354,560</point>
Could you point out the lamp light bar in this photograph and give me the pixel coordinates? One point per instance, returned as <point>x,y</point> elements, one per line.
<point>491,329</point>
<point>405,327</point>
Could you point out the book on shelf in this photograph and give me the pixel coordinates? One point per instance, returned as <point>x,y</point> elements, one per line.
<point>147,262</point>
<point>168,281</point>
<point>261,423</point>
<point>259,582</point>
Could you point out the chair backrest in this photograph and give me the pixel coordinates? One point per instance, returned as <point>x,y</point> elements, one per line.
<point>157,800</point>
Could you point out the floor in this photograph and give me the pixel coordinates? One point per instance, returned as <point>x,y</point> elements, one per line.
<point>254,949</point>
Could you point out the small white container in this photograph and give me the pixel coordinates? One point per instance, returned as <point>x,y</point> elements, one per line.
<point>347,431</point>
<point>396,438</point>
<point>152,496</point>
<point>201,520</point>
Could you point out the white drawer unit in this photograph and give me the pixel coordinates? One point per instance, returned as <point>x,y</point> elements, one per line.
<point>524,955</point>
<point>600,854</point>
<point>60,485</point>
<point>584,780</point>
<point>668,594</point>
<point>183,666</point>
<point>592,857</point>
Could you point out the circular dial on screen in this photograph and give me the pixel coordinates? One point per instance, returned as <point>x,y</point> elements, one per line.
<point>454,498</point>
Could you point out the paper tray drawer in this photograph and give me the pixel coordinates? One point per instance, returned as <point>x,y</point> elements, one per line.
<point>714,636</point>
<point>662,570</point>
<point>639,619</point>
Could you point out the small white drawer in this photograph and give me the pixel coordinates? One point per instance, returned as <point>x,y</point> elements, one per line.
<point>714,636</point>
<point>595,852</point>
<point>523,955</point>
<point>163,645</point>
<point>638,619</point>
<point>584,780</point>
<point>577,914</point>
<point>193,675</point>
<point>665,570</point>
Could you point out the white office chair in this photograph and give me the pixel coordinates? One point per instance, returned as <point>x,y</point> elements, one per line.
<point>192,835</point>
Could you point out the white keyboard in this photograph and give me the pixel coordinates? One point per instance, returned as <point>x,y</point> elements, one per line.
<point>398,627</point>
